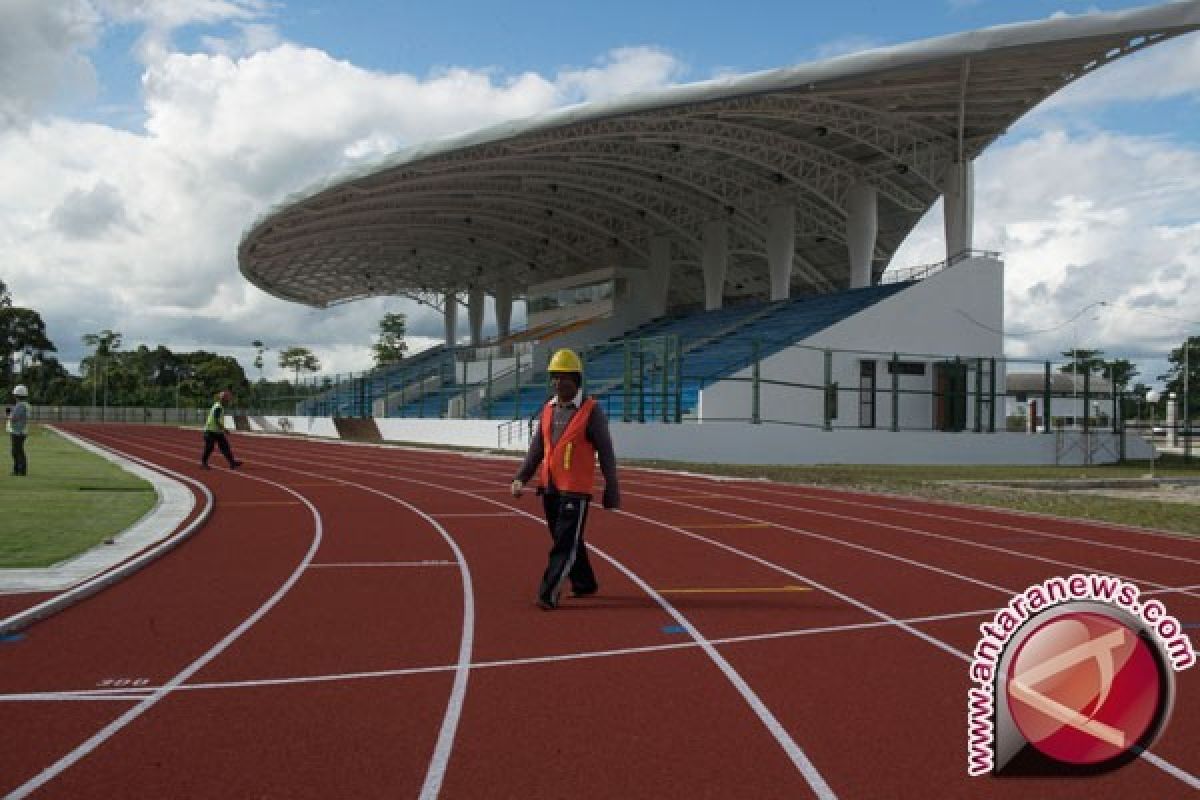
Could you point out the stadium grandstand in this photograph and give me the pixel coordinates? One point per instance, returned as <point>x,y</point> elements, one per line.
<point>719,251</point>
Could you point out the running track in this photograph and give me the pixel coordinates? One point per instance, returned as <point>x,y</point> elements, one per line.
<point>355,621</point>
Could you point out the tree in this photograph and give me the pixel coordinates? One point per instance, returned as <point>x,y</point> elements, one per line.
<point>1121,371</point>
<point>22,331</point>
<point>1187,355</point>
<point>390,347</point>
<point>299,358</point>
<point>104,344</point>
<point>1082,361</point>
<point>259,349</point>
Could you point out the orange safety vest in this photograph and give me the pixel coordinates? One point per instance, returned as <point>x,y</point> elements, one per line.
<point>569,465</point>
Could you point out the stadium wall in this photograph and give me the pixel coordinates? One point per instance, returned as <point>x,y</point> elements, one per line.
<point>960,310</point>
<point>746,443</point>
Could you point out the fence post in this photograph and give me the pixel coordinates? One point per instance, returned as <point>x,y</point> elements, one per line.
<point>678,379</point>
<point>992,395</point>
<point>487,396</point>
<point>895,391</point>
<point>517,385</point>
<point>830,397</point>
<point>1046,400</point>
<point>1087,401</point>
<point>666,363</point>
<point>755,415</point>
<point>979,395</point>
<point>641,384</point>
<point>626,404</point>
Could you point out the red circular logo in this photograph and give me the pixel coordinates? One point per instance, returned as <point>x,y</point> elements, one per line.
<point>1083,688</point>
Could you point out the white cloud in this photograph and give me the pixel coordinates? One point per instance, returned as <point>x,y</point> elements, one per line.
<point>1082,219</point>
<point>105,228</point>
<point>1164,71</point>
<point>41,56</point>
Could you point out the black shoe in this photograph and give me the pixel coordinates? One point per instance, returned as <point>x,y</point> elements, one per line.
<point>205,466</point>
<point>584,592</point>
<point>235,465</point>
<point>546,603</point>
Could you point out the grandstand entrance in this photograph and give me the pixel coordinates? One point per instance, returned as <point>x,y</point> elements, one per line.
<point>950,396</point>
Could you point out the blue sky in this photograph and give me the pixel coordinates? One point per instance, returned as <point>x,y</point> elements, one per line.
<point>139,139</point>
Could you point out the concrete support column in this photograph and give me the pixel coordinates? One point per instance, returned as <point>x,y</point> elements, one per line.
<point>715,261</point>
<point>862,226</point>
<point>781,247</point>
<point>450,316</point>
<point>959,211</point>
<point>658,280</point>
<point>475,298</point>
<point>503,311</point>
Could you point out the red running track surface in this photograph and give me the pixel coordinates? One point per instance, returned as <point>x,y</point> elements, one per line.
<point>358,621</point>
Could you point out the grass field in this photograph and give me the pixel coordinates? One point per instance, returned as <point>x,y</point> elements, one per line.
<point>70,501</point>
<point>957,484</point>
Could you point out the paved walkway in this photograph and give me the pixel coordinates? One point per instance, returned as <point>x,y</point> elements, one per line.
<point>175,503</point>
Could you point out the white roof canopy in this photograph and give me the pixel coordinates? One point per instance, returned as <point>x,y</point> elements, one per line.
<point>588,186</point>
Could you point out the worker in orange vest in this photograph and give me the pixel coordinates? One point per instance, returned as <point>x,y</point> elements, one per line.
<point>572,432</point>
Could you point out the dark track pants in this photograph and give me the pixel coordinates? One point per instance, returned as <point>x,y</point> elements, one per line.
<point>219,440</point>
<point>566,517</point>
<point>20,466</point>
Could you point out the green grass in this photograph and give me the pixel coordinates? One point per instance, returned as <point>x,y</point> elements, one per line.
<point>950,484</point>
<point>71,501</point>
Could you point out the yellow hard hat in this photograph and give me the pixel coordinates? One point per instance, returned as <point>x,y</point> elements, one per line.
<point>565,361</point>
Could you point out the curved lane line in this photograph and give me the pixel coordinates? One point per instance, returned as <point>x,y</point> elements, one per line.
<point>80,752</point>
<point>799,759</point>
<point>1166,766</point>
<point>445,741</point>
<point>98,583</point>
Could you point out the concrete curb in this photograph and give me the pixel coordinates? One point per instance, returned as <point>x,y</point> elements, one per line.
<point>150,537</point>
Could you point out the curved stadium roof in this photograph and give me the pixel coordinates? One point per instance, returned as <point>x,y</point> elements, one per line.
<point>590,185</point>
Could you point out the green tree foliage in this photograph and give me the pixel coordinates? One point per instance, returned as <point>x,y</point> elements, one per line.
<point>1177,360</point>
<point>1080,361</point>
<point>259,349</point>
<point>389,347</point>
<point>299,358</point>
<point>22,333</point>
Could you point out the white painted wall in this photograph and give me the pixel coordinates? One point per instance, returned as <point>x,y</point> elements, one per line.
<point>931,317</point>
<point>307,426</point>
<point>744,443</point>
<point>455,432</point>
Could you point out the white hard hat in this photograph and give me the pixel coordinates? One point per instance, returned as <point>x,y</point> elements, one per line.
<point>20,391</point>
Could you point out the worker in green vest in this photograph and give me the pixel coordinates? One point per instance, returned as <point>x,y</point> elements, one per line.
<point>214,432</point>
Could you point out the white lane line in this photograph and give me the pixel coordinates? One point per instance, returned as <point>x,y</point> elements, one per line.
<point>1109,527</point>
<point>478,514</point>
<point>80,752</point>
<point>258,683</point>
<point>1008,551</point>
<point>1150,758</point>
<point>1166,766</point>
<point>369,564</point>
<point>445,741</point>
<point>795,753</point>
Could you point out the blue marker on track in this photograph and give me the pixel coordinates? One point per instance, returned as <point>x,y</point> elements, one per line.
<point>674,629</point>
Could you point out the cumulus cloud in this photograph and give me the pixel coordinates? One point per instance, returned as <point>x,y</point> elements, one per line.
<point>1164,71</point>
<point>84,214</point>
<point>42,56</point>
<point>137,231</point>
<point>1084,219</point>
